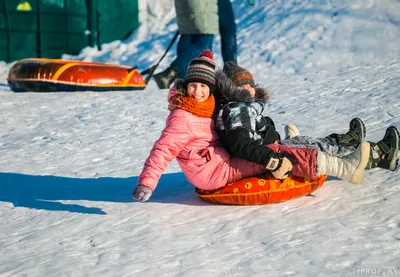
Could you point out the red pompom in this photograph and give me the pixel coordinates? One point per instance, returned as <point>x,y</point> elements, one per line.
<point>207,53</point>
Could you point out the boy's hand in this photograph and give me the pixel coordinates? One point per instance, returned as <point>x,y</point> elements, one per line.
<point>142,193</point>
<point>280,168</point>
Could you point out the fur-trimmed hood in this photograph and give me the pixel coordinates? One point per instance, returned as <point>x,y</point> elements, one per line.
<point>227,91</point>
<point>180,86</point>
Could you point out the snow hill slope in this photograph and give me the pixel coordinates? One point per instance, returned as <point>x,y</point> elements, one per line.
<point>69,161</point>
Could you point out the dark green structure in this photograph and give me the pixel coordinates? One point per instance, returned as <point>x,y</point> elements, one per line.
<point>49,28</point>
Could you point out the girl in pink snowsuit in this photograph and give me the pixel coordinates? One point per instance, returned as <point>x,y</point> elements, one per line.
<point>190,136</point>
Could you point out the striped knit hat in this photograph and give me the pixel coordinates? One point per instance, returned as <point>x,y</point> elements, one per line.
<point>238,75</point>
<point>202,70</point>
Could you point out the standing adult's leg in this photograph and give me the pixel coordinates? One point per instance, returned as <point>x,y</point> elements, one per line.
<point>189,47</point>
<point>181,62</point>
<point>200,43</point>
<point>227,30</point>
<point>177,69</point>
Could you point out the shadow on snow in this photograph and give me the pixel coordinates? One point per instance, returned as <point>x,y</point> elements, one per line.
<point>46,192</point>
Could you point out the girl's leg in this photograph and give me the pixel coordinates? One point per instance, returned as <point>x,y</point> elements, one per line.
<point>239,169</point>
<point>350,168</point>
<point>310,163</point>
<point>305,159</point>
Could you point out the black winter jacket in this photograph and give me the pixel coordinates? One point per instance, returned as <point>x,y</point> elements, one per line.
<point>244,131</point>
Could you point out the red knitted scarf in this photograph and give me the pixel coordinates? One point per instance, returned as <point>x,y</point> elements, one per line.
<point>189,104</point>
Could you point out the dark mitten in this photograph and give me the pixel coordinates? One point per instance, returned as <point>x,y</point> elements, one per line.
<point>269,121</point>
<point>142,193</point>
<point>269,133</point>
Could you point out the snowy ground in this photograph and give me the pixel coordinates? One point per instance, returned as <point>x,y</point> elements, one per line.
<point>69,161</point>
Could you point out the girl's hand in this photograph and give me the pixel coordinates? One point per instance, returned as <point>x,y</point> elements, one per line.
<point>142,193</point>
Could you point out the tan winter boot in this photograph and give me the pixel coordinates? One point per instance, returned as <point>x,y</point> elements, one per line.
<point>291,131</point>
<point>350,168</point>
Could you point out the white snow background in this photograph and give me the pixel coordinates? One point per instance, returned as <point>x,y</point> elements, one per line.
<point>69,161</point>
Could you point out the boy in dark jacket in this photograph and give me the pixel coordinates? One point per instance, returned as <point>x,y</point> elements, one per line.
<point>245,132</point>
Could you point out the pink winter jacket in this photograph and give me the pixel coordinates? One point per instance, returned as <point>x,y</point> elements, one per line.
<point>193,141</point>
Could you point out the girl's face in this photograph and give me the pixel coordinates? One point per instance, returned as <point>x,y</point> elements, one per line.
<point>198,91</point>
<point>249,87</point>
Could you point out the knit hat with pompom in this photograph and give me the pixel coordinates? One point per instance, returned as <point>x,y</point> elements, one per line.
<point>202,70</point>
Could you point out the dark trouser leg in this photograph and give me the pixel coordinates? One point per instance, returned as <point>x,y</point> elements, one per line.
<point>190,47</point>
<point>227,29</point>
<point>181,62</point>
<point>328,145</point>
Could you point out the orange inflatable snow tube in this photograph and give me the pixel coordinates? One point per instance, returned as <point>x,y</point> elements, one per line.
<point>261,190</point>
<point>50,75</point>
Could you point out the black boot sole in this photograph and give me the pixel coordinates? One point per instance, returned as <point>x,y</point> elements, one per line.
<point>159,82</point>
<point>395,147</point>
<point>353,124</point>
<point>389,146</point>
